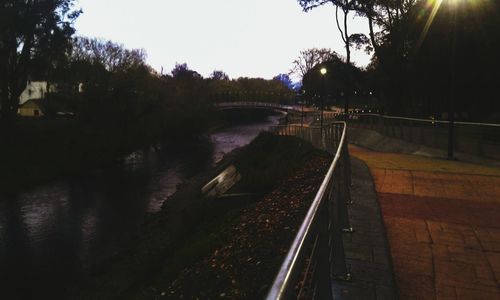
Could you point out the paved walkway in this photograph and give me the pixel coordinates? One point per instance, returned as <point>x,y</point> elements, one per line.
<point>366,249</point>
<point>443,224</point>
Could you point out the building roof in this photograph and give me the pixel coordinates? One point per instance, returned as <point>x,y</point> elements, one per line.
<point>33,103</point>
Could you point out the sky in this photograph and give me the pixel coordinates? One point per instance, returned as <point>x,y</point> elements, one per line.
<point>244,38</point>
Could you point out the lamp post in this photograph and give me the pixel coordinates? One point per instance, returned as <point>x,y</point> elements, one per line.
<point>451,110</point>
<point>323,72</point>
<point>302,111</point>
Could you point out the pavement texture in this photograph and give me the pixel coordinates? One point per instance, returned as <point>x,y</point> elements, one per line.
<point>366,249</point>
<point>443,224</point>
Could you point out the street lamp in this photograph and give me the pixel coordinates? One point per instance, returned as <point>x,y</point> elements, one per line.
<point>453,6</point>
<point>451,110</point>
<point>302,112</point>
<point>323,72</point>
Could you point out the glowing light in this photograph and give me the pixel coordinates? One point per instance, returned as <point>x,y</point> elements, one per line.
<point>435,7</point>
<point>436,4</point>
<point>323,71</point>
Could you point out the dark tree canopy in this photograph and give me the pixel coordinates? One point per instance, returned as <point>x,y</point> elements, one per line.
<point>430,56</point>
<point>434,58</point>
<point>285,79</point>
<point>309,58</point>
<point>182,71</point>
<point>33,34</point>
<point>219,75</point>
<point>114,57</point>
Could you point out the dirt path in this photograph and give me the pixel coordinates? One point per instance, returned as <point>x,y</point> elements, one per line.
<point>443,224</point>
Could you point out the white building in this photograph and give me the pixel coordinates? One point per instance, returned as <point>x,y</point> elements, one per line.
<point>35,90</point>
<point>31,99</point>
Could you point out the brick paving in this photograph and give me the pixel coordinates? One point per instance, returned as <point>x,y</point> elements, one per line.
<point>443,224</point>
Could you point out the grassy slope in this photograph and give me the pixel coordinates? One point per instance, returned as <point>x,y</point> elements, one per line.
<point>188,225</point>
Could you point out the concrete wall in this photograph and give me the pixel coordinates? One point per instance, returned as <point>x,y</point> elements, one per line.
<point>30,110</point>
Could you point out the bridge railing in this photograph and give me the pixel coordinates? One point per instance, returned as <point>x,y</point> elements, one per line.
<point>316,255</point>
<point>254,104</point>
<point>482,139</point>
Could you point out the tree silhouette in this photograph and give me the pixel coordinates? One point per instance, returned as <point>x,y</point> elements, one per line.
<point>285,79</point>
<point>309,58</point>
<point>112,56</point>
<point>182,71</point>
<point>219,75</point>
<point>346,6</point>
<point>433,55</point>
<point>31,31</point>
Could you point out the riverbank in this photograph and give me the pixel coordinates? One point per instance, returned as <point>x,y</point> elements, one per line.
<point>189,225</point>
<point>252,246</point>
<point>45,149</point>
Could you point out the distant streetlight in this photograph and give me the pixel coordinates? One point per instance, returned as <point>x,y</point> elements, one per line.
<point>323,72</point>
<point>302,112</point>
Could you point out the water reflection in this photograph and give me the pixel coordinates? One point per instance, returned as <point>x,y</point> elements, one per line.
<point>230,138</point>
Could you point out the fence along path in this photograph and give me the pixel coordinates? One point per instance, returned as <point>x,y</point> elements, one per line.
<point>481,139</point>
<point>316,255</point>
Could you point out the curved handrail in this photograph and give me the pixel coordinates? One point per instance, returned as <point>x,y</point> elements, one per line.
<point>283,281</point>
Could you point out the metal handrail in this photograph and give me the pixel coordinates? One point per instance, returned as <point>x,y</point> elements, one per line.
<point>324,222</point>
<point>472,138</point>
<point>427,120</point>
<point>254,104</point>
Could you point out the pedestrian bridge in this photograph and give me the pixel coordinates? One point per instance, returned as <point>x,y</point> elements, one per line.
<point>302,114</point>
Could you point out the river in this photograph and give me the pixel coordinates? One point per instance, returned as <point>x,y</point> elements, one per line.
<point>51,234</point>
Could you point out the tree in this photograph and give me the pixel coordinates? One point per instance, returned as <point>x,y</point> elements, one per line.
<point>285,79</point>
<point>31,31</point>
<point>182,71</point>
<point>349,40</point>
<point>219,75</point>
<point>346,6</point>
<point>335,82</point>
<point>114,57</point>
<point>309,58</point>
<point>431,56</point>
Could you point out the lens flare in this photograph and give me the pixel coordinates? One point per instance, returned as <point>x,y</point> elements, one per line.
<point>435,4</point>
